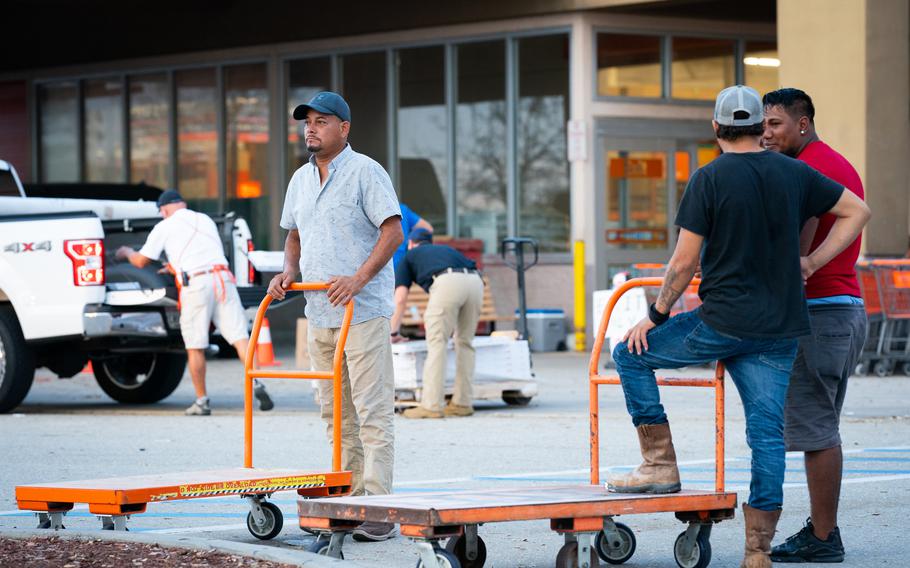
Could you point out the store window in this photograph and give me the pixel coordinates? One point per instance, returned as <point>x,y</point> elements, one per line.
<point>701,67</point>
<point>58,131</point>
<point>306,77</point>
<point>197,138</point>
<point>364,88</point>
<point>150,157</point>
<point>246,101</point>
<point>543,168</point>
<point>422,133</point>
<point>480,143</point>
<point>762,66</point>
<point>636,215</point>
<point>103,127</point>
<point>628,65</point>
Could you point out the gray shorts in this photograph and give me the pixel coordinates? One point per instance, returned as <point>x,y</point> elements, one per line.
<point>818,382</point>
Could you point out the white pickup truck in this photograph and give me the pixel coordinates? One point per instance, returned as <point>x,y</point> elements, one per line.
<point>64,301</point>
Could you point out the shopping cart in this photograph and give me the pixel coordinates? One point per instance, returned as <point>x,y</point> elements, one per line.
<point>889,316</point>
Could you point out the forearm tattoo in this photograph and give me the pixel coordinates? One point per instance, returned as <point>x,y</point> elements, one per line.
<point>670,291</point>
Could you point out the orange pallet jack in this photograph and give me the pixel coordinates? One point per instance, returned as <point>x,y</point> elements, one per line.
<point>584,514</point>
<point>115,499</point>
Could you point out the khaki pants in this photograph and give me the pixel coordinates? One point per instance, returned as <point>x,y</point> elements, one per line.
<point>454,306</point>
<point>367,401</point>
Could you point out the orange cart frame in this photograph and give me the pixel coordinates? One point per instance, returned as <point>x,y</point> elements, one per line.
<point>582,513</point>
<point>115,499</point>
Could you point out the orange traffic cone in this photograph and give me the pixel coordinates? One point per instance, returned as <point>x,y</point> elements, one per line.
<point>88,368</point>
<point>265,356</point>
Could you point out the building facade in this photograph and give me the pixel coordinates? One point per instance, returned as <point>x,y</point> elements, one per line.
<point>579,124</point>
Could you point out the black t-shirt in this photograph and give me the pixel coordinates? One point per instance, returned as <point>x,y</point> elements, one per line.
<point>751,208</point>
<point>421,263</point>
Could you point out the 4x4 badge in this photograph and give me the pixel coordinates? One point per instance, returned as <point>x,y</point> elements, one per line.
<point>27,247</point>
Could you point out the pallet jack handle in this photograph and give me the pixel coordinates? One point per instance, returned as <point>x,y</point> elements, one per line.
<point>716,382</point>
<point>334,376</point>
<point>512,251</point>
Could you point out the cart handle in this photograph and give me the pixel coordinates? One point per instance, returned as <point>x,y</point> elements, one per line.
<point>334,376</point>
<point>595,380</point>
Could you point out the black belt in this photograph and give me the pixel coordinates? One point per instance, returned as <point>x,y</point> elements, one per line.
<point>456,271</point>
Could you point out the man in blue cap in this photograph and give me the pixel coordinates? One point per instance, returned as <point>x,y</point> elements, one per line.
<point>344,223</point>
<point>208,293</point>
<point>456,298</point>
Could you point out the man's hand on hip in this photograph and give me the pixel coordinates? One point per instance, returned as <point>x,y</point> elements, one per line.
<point>637,337</point>
<point>280,283</point>
<point>342,289</point>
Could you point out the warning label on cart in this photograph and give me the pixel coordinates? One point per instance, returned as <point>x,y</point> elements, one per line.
<point>267,485</point>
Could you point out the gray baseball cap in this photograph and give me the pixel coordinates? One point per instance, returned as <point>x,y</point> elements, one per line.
<point>738,106</point>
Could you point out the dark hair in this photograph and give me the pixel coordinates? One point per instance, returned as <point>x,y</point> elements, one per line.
<point>734,133</point>
<point>797,103</point>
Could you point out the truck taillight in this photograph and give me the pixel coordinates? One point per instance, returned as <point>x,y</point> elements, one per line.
<point>251,274</point>
<point>88,261</point>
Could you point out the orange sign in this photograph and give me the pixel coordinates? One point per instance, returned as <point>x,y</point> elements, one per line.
<point>636,168</point>
<point>636,236</point>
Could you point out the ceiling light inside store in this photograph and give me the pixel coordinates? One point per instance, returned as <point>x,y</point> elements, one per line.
<point>762,61</point>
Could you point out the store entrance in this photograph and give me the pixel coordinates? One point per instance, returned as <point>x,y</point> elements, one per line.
<point>641,179</point>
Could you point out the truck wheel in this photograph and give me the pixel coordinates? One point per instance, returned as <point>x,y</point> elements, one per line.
<point>17,362</point>
<point>139,378</point>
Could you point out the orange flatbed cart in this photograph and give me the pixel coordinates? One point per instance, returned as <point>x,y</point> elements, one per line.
<point>115,499</point>
<point>582,513</point>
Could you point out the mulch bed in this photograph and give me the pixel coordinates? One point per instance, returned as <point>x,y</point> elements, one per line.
<point>55,552</point>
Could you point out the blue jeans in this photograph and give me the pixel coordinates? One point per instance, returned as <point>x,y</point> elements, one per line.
<point>760,369</point>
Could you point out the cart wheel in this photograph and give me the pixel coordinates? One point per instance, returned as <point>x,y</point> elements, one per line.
<point>458,545</point>
<point>567,557</point>
<point>905,368</point>
<point>516,399</point>
<point>863,368</point>
<point>44,521</point>
<point>882,368</point>
<point>273,522</point>
<point>445,559</point>
<point>321,547</point>
<point>700,556</point>
<point>618,551</point>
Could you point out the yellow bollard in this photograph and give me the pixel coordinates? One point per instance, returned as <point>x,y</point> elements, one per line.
<point>580,310</point>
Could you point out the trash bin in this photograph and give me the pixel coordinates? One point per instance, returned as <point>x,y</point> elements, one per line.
<point>546,330</point>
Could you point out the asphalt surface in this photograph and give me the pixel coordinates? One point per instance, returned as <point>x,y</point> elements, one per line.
<point>68,429</point>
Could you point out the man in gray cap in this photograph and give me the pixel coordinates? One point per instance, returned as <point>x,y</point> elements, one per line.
<point>344,224</point>
<point>208,293</point>
<point>741,215</point>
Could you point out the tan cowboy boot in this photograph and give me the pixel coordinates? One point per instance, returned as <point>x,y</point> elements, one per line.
<point>658,472</point>
<point>760,526</point>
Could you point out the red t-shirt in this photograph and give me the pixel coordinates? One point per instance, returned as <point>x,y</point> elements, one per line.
<point>838,277</point>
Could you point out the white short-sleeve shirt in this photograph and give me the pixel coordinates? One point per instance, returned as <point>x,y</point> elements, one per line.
<point>339,225</point>
<point>189,239</point>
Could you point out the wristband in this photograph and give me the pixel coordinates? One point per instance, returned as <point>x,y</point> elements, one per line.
<point>655,316</point>
<point>396,333</point>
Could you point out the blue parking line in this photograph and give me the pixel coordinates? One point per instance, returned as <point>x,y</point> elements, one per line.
<point>140,515</point>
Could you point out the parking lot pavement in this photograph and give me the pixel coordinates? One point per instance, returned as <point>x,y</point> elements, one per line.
<point>69,430</point>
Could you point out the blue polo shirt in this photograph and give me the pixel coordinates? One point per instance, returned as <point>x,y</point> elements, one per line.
<point>425,261</point>
<point>339,225</point>
<point>408,220</point>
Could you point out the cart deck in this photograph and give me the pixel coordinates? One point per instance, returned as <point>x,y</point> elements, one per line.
<point>114,499</point>
<point>568,506</point>
<point>128,495</point>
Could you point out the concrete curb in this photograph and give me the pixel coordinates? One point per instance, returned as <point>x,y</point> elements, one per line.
<point>258,551</point>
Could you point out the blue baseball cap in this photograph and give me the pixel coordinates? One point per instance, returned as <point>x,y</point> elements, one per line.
<point>168,197</point>
<point>325,102</point>
<point>420,236</point>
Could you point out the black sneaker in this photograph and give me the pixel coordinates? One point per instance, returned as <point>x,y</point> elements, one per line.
<point>262,395</point>
<point>373,532</point>
<point>804,546</point>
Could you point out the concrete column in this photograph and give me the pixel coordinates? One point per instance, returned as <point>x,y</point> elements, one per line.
<point>853,58</point>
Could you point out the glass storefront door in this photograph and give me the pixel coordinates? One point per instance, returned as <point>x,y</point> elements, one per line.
<point>639,186</point>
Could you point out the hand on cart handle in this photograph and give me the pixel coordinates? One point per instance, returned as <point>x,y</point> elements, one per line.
<point>342,289</point>
<point>280,284</point>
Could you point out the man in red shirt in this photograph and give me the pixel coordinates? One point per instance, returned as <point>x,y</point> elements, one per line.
<point>827,357</point>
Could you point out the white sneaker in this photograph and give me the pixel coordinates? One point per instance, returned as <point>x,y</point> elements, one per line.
<point>199,408</point>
